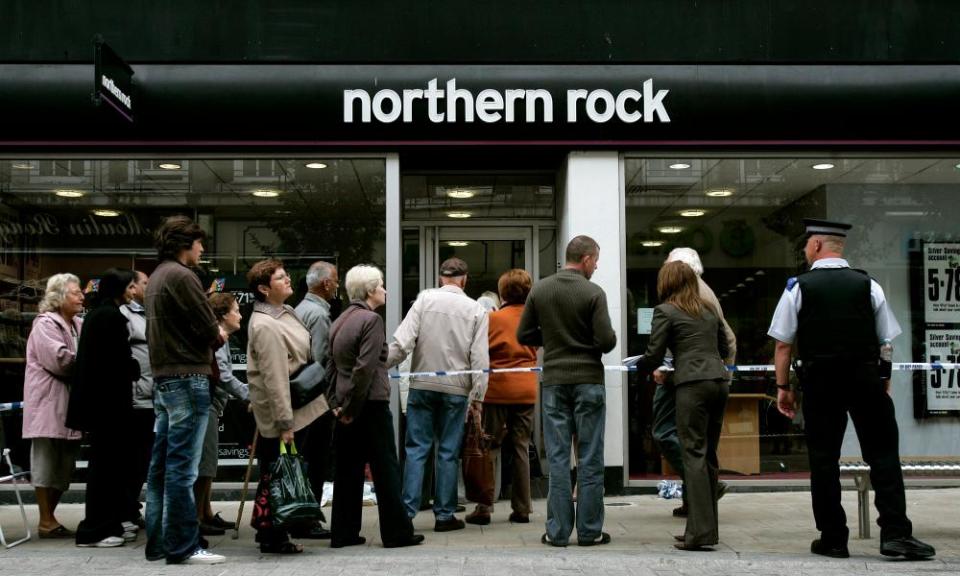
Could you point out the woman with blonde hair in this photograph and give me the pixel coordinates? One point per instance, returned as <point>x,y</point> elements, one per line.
<point>364,433</point>
<point>51,354</point>
<point>692,330</point>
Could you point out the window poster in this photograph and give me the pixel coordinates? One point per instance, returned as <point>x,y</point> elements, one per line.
<point>942,387</point>
<point>941,273</point>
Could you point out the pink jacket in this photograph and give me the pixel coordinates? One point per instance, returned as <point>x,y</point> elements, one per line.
<point>50,356</point>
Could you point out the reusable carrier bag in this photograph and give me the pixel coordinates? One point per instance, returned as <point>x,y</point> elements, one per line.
<point>291,498</point>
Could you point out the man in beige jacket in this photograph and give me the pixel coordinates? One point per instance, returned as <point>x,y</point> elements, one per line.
<point>445,330</point>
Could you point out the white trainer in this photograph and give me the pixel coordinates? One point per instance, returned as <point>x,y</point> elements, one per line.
<point>201,556</point>
<point>108,542</point>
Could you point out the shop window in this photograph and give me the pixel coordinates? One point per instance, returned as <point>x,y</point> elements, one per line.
<point>84,216</point>
<point>744,217</point>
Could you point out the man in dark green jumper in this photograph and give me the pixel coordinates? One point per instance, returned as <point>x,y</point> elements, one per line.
<point>567,315</point>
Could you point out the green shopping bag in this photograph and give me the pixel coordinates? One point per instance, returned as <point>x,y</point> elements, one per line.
<point>291,498</point>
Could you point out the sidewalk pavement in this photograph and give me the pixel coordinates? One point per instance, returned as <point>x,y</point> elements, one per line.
<point>766,534</point>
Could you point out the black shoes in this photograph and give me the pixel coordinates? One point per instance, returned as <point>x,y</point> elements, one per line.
<point>315,532</point>
<point>824,548</point>
<point>211,530</point>
<point>413,540</point>
<point>355,541</point>
<point>219,522</point>
<point>518,518</point>
<point>448,525</point>
<point>545,539</point>
<point>603,538</point>
<point>908,547</point>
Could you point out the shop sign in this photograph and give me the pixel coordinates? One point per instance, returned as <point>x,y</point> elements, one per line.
<point>938,391</point>
<point>113,80</point>
<point>452,105</point>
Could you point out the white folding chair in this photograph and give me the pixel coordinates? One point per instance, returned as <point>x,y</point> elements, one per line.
<point>13,478</point>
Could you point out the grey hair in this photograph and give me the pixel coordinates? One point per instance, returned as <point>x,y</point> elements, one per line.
<point>56,292</point>
<point>362,280</point>
<point>318,272</point>
<point>689,257</point>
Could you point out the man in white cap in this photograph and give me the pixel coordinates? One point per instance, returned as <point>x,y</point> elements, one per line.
<point>837,318</point>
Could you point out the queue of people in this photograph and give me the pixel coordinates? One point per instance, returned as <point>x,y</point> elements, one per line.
<point>173,376</point>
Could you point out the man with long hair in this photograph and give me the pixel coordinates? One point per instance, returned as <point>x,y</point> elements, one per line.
<point>182,333</point>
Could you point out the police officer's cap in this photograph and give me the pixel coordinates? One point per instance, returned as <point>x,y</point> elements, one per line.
<point>825,227</point>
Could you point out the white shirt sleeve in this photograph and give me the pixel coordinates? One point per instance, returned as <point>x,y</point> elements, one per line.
<point>887,326</point>
<point>783,326</point>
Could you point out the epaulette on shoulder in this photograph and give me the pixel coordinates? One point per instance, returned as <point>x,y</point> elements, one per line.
<point>791,282</point>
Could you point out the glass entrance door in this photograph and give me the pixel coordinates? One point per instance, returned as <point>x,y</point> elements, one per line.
<point>488,252</point>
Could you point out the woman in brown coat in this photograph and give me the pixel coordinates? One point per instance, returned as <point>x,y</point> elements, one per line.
<point>278,344</point>
<point>364,421</point>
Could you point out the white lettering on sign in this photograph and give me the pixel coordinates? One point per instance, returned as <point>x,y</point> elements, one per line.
<point>117,92</point>
<point>451,104</point>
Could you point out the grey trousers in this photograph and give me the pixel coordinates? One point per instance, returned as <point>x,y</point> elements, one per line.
<point>700,406</point>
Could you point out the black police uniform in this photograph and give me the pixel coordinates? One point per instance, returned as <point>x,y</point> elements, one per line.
<point>839,350</point>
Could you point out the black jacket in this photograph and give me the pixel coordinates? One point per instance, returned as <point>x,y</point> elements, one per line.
<point>101,393</point>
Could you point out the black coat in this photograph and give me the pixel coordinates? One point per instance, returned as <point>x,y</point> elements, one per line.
<point>101,393</point>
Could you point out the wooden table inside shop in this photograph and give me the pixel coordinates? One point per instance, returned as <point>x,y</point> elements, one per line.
<point>739,449</point>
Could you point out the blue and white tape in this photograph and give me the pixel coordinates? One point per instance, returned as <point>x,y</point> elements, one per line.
<point>5,406</point>
<point>897,366</point>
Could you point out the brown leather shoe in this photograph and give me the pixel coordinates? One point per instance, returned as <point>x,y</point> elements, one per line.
<point>477,517</point>
<point>518,518</point>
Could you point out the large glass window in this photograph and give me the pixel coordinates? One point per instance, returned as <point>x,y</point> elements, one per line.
<point>744,217</point>
<point>84,216</point>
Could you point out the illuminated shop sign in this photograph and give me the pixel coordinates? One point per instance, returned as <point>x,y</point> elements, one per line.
<point>452,105</point>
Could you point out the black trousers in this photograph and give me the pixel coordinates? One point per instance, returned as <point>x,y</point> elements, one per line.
<point>369,438</point>
<point>831,390</point>
<point>107,500</point>
<point>141,441</point>
<point>315,442</point>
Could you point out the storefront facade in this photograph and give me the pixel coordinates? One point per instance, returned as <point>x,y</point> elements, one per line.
<point>405,164</point>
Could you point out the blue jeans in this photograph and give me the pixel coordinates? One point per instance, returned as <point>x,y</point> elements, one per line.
<point>181,405</point>
<point>574,410</point>
<point>665,425</point>
<point>433,416</point>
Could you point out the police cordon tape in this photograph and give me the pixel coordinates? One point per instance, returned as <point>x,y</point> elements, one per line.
<point>897,366</point>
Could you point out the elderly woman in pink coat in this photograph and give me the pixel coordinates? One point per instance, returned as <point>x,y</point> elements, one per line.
<point>51,351</point>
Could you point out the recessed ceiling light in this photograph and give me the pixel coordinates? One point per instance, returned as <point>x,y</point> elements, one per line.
<point>957,166</point>
<point>679,166</point>
<point>759,273</point>
<point>315,165</point>
<point>462,194</point>
<point>459,214</point>
<point>670,229</point>
<point>106,213</point>
<point>69,193</point>
<point>719,192</point>
<point>692,213</point>
<point>22,165</point>
<point>741,285</point>
<point>651,243</point>
<point>283,212</point>
<point>458,243</point>
<point>824,166</point>
<point>748,279</point>
<point>265,193</point>
<point>170,165</point>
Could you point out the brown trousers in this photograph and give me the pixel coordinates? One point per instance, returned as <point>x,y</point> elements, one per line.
<point>510,425</point>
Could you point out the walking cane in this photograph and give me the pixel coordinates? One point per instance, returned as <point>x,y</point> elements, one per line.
<point>246,482</point>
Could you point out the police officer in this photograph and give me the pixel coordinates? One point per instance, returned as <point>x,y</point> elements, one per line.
<point>837,319</point>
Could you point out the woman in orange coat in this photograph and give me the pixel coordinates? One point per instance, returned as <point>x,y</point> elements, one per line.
<point>509,403</point>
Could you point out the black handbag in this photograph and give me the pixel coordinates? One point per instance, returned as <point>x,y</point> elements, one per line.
<point>306,384</point>
<point>313,378</point>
